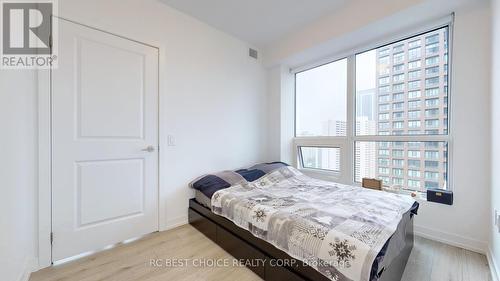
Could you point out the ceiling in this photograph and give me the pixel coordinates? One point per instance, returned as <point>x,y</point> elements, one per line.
<point>259,22</point>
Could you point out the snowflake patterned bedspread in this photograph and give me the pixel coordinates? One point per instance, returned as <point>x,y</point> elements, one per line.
<point>337,229</point>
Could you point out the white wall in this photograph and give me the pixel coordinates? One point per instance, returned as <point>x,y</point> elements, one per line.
<point>212,94</point>
<point>495,140</point>
<point>465,223</point>
<point>212,101</point>
<point>17,173</point>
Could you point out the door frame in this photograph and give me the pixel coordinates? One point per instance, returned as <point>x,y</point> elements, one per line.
<point>44,85</point>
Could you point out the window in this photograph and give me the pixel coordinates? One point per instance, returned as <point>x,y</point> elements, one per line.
<point>397,172</point>
<point>384,98</point>
<point>383,152</point>
<point>415,43</point>
<point>431,184</point>
<point>432,112</point>
<point>413,184</point>
<point>398,105</point>
<point>414,132</point>
<point>383,116</point>
<point>414,64</point>
<point>383,170</point>
<point>414,74</point>
<point>432,144</point>
<point>384,107</point>
<point>397,181</point>
<point>384,144</point>
<point>384,80</point>
<point>323,158</point>
<point>384,89</point>
<point>414,173</point>
<point>398,96</point>
<point>432,60</point>
<point>384,125</point>
<point>431,154</point>
<point>322,90</point>
<point>384,69</point>
<point>429,82</point>
<point>398,115</point>
<point>431,71</point>
<point>399,57</point>
<point>398,68</point>
<point>432,39</point>
<point>414,153</point>
<point>432,123</point>
<point>398,153</point>
<point>414,84</point>
<point>414,53</point>
<point>398,125</point>
<point>399,133</point>
<point>398,87</point>
<point>384,52</point>
<point>431,49</point>
<point>431,175</point>
<point>383,162</point>
<point>414,94</point>
<point>414,114</point>
<point>398,162</point>
<point>431,102</point>
<point>414,104</point>
<point>414,163</point>
<point>432,92</point>
<point>431,164</point>
<point>384,60</point>
<point>413,124</point>
<point>398,48</point>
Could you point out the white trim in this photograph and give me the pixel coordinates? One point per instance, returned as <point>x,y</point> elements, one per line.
<point>44,171</point>
<point>493,265</point>
<point>45,156</point>
<point>29,266</point>
<point>452,239</point>
<point>173,223</point>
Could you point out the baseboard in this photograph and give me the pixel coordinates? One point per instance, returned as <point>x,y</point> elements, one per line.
<point>29,266</point>
<point>493,265</point>
<point>173,223</point>
<point>452,239</point>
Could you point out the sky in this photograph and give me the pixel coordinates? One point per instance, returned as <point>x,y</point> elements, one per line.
<point>322,91</point>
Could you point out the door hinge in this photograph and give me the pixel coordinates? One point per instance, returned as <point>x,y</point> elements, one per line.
<point>51,237</point>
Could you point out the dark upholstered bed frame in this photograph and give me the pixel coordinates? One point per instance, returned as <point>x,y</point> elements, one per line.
<point>241,244</point>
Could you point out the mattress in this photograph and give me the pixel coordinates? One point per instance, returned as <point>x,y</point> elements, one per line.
<point>393,247</point>
<point>203,199</point>
<point>374,222</point>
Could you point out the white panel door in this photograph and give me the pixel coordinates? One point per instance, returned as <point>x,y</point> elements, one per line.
<point>104,140</point>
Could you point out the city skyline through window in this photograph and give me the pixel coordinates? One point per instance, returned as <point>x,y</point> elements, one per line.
<point>401,91</point>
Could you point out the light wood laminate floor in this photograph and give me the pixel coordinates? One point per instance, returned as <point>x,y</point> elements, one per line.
<point>429,261</point>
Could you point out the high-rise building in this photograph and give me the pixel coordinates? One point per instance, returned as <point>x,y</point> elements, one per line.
<point>412,99</point>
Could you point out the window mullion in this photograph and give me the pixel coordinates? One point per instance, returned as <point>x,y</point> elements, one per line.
<point>349,153</point>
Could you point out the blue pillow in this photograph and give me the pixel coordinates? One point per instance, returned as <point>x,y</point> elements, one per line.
<point>210,184</point>
<point>251,175</point>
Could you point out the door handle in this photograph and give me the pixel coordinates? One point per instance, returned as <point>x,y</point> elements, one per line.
<point>149,148</point>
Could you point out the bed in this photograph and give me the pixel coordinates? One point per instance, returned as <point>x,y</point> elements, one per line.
<point>304,229</point>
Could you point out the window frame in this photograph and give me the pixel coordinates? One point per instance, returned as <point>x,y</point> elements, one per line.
<point>347,143</point>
